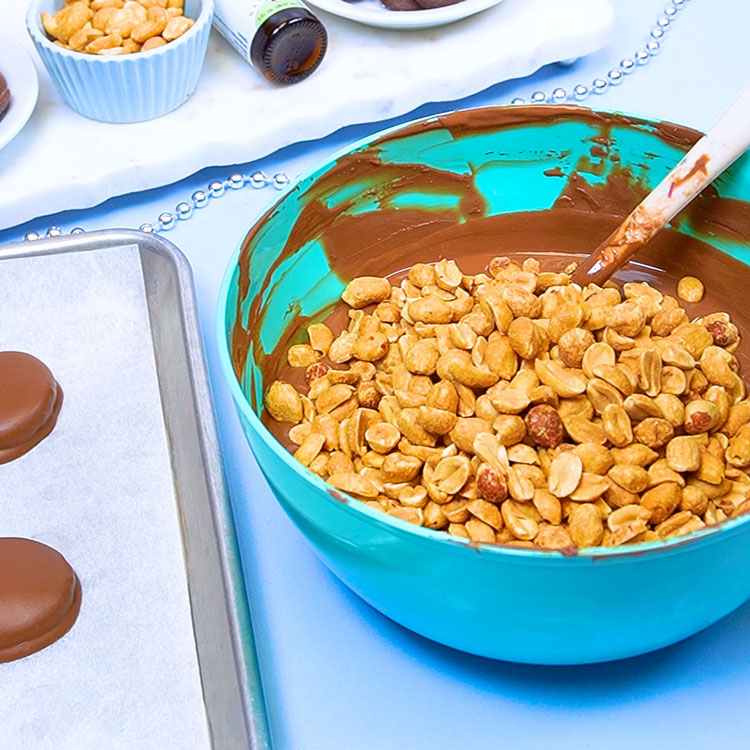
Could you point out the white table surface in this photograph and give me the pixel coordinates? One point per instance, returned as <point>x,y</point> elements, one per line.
<point>235,115</point>
<point>339,676</point>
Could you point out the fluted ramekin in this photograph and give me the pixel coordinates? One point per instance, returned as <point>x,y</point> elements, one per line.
<point>125,88</point>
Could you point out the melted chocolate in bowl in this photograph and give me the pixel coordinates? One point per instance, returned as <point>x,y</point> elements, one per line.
<point>40,597</point>
<point>588,208</point>
<point>30,402</point>
<point>553,237</point>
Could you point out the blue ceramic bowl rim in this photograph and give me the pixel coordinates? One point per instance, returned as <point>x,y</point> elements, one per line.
<point>357,507</point>
<point>39,36</point>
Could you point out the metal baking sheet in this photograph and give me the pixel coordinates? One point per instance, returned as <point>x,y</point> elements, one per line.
<point>216,613</point>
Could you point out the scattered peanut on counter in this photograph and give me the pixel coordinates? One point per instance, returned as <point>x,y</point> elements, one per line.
<point>514,407</point>
<point>116,27</point>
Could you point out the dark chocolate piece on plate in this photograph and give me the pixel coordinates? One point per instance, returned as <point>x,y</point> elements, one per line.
<point>401,4</point>
<point>4,96</point>
<point>427,4</point>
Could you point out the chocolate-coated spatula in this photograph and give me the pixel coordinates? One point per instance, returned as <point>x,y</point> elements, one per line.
<point>725,142</point>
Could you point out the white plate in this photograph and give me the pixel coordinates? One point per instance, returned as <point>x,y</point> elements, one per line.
<point>20,75</point>
<point>374,13</point>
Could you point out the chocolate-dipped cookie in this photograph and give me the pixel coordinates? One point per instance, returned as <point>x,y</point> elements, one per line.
<point>4,96</point>
<point>30,401</point>
<point>40,597</point>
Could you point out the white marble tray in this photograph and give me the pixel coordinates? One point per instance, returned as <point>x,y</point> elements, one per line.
<point>64,161</point>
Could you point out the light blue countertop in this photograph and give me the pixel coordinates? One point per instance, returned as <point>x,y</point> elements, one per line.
<point>338,675</point>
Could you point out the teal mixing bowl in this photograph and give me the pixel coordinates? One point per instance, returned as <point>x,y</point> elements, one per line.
<point>506,603</point>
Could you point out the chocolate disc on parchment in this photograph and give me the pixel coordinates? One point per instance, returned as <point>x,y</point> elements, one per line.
<point>4,96</point>
<point>40,597</point>
<point>30,400</point>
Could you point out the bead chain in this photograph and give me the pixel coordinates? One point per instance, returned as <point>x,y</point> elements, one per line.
<point>258,180</point>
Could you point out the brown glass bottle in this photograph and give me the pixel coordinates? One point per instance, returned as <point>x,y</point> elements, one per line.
<point>289,45</point>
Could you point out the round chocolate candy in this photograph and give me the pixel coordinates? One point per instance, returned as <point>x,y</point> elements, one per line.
<point>40,597</point>
<point>30,401</point>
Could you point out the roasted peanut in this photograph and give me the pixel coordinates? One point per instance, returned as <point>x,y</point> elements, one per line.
<point>662,501</point>
<point>553,538</point>
<point>95,27</point>
<point>519,523</point>
<point>617,426</point>
<point>582,430</point>
<point>683,454</point>
<point>738,451</point>
<point>283,402</point>
<point>526,338</point>
<point>653,432</point>
<point>596,458</point>
<point>354,484</point>
<point>565,475</point>
<point>700,416</point>
<point>491,484</point>
<point>362,291</point>
<point>631,478</point>
<point>563,382</point>
<point>515,407</point>
<point>694,500</point>
<point>466,430</point>
<point>544,426</point>
<point>585,525</point>
<point>690,289</point>
<point>510,429</point>
<point>573,345</point>
<point>589,488</point>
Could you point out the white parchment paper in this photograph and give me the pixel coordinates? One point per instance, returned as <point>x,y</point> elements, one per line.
<point>99,489</point>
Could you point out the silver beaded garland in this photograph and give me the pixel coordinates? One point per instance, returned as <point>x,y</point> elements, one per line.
<point>599,85</point>
<point>183,210</point>
<point>200,199</point>
<point>166,221</point>
<point>258,179</point>
<point>559,95</point>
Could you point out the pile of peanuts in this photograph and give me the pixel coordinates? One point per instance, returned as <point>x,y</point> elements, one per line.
<point>116,27</point>
<point>515,407</point>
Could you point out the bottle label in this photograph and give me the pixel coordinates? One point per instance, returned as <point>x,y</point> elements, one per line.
<point>266,8</point>
<point>238,20</point>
